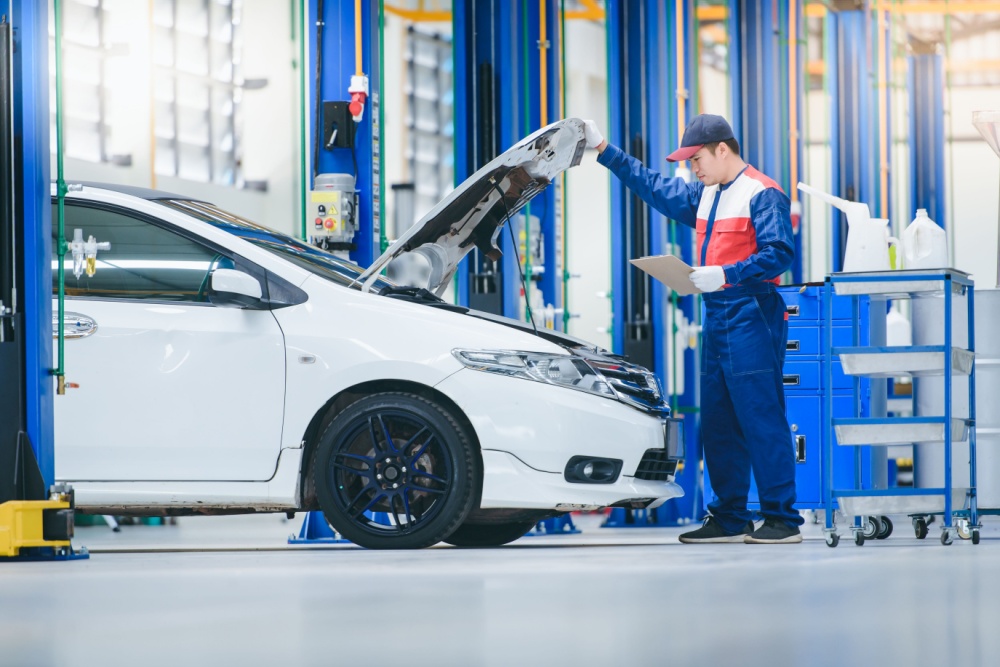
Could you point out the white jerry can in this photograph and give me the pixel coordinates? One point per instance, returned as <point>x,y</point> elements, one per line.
<point>925,244</point>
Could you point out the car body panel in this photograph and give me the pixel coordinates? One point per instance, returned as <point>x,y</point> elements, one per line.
<point>197,393</point>
<point>509,482</point>
<point>472,215</point>
<point>342,337</point>
<point>278,494</point>
<point>545,425</point>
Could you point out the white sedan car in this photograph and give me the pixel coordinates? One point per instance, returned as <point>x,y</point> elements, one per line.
<point>216,366</point>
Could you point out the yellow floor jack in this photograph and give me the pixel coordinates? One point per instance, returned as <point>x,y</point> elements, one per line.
<point>39,529</point>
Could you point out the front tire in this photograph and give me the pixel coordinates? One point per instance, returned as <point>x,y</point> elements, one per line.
<point>488,534</point>
<point>400,455</point>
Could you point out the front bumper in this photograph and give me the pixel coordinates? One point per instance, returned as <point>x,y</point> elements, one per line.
<point>508,483</point>
<point>529,431</point>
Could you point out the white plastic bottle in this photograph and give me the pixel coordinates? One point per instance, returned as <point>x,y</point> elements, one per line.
<point>925,244</point>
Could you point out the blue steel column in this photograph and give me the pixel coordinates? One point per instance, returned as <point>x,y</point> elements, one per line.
<point>659,99</point>
<point>798,146</point>
<point>338,67</point>
<point>618,96</point>
<point>509,72</point>
<point>633,29</point>
<point>761,139</point>
<point>490,118</point>
<point>855,131</point>
<point>680,239</point>
<point>29,20</point>
<point>463,66</point>
<point>927,183</point>
<point>544,205</point>
<point>646,98</point>
<point>760,80</point>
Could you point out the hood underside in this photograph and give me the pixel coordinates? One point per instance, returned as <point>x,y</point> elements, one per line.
<point>473,214</point>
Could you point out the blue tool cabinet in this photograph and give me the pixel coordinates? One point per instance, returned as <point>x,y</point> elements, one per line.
<point>805,391</point>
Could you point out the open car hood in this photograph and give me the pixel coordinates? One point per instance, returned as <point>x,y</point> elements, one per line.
<point>473,214</point>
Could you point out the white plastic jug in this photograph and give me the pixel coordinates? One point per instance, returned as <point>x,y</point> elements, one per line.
<point>868,238</point>
<point>925,244</point>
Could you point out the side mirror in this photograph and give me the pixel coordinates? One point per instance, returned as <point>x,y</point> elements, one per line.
<point>234,289</point>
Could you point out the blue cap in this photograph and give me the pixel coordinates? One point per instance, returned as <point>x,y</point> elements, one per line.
<point>703,129</point>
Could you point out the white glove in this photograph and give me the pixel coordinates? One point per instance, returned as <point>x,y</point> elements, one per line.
<point>592,134</point>
<point>708,278</point>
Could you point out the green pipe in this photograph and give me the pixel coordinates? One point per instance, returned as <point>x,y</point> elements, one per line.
<point>565,180</point>
<point>61,245</point>
<point>781,37</point>
<point>672,235</point>
<point>383,240</point>
<point>527,124</point>
<point>828,129</point>
<point>303,167</point>
<point>611,257</point>
<point>804,167</point>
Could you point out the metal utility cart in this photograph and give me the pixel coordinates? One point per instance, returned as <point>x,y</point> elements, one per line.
<point>876,430</point>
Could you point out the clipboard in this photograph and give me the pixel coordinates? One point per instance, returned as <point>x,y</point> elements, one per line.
<point>670,270</point>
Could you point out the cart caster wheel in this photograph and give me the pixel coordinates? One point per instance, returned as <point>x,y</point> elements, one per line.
<point>859,539</point>
<point>870,528</point>
<point>920,528</point>
<point>832,540</point>
<point>885,528</point>
<point>946,537</point>
<point>964,530</point>
<point>975,536</point>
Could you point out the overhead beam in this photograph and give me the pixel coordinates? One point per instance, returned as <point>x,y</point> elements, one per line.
<point>819,9</point>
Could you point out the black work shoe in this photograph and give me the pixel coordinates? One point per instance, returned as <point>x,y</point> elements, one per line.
<point>775,532</point>
<point>712,532</point>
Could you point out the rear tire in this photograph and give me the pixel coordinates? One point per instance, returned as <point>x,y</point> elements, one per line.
<point>488,534</point>
<point>404,457</point>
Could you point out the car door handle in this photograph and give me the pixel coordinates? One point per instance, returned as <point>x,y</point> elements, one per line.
<point>75,325</point>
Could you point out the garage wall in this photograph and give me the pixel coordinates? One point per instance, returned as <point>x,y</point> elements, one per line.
<point>588,212</point>
<point>975,176</point>
<point>270,134</point>
<point>972,177</point>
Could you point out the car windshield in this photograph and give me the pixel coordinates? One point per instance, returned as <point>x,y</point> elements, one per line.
<point>301,254</point>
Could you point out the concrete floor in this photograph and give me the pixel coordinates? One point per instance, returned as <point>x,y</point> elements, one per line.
<point>228,591</point>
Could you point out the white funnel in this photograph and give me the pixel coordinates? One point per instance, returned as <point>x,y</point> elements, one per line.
<point>988,124</point>
<point>867,238</point>
<point>857,212</point>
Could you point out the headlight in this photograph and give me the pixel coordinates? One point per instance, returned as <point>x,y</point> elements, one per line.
<point>561,370</point>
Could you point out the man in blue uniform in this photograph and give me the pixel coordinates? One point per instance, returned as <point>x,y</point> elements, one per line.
<point>744,234</point>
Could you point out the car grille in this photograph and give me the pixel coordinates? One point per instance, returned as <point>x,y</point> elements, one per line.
<point>655,466</point>
<point>634,384</point>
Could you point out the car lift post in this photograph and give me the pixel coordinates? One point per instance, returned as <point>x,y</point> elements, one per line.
<point>35,524</point>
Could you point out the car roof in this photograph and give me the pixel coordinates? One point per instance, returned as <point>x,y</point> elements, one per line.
<point>135,191</point>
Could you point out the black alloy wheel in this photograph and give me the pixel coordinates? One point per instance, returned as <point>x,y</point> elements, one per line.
<point>488,534</point>
<point>396,471</point>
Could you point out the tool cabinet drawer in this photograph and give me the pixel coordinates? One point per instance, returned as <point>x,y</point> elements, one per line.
<point>808,374</point>
<point>808,306</point>
<point>805,340</point>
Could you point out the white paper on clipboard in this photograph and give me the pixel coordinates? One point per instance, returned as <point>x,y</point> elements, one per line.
<point>670,270</point>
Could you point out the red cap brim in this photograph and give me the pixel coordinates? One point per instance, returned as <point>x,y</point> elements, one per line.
<point>685,153</point>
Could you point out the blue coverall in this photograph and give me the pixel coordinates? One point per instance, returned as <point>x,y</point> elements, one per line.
<point>743,425</point>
